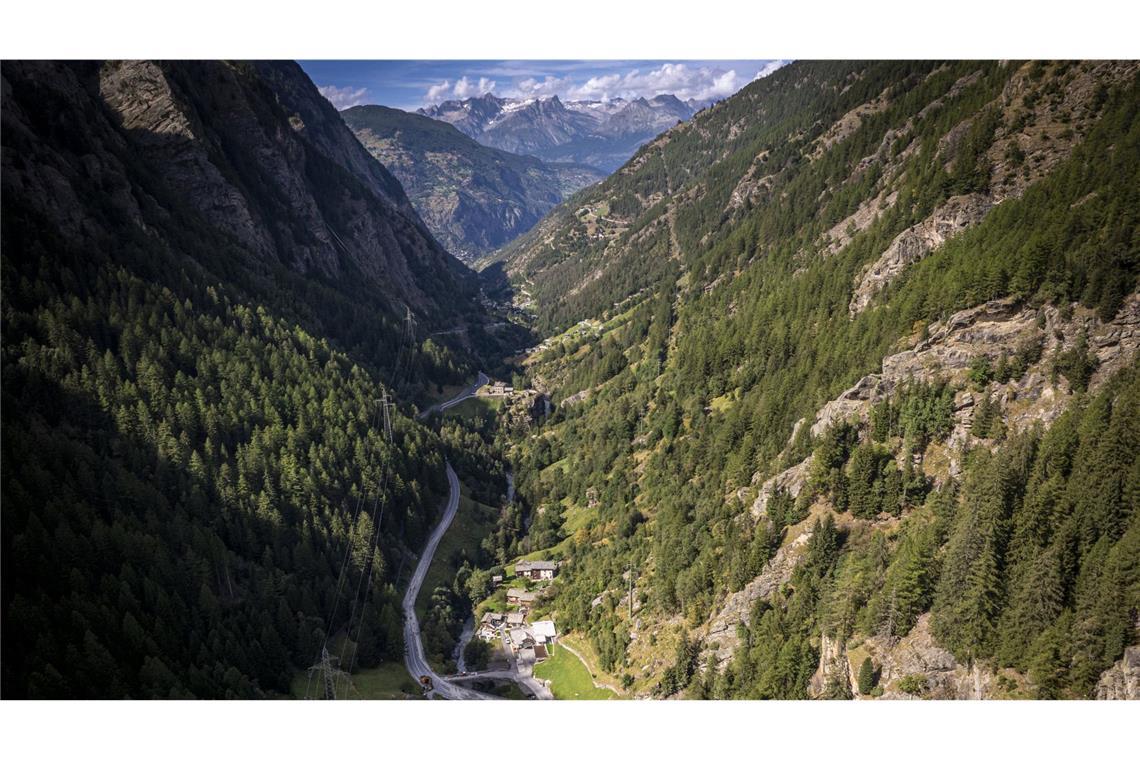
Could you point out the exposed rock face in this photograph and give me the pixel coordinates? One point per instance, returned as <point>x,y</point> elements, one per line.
<point>791,480</point>
<point>918,656</point>
<point>140,95</point>
<point>954,216</point>
<point>834,672</point>
<point>249,153</point>
<point>721,638</point>
<point>993,330</point>
<point>853,402</point>
<point>1122,680</point>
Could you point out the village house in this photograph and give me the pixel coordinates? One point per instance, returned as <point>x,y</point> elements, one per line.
<point>543,632</point>
<point>521,597</point>
<point>499,389</point>
<point>515,619</point>
<point>537,569</point>
<point>491,625</point>
<point>521,638</point>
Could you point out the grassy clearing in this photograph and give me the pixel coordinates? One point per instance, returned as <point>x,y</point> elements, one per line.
<point>388,681</point>
<point>568,677</point>
<point>475,407</point>
<point>473,522</point>
<point>722,404</point>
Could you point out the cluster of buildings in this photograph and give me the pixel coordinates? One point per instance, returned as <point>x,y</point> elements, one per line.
<point>586,328</point>
<point>518,633</point>
<point>497,389</point>
<point>512,627</point>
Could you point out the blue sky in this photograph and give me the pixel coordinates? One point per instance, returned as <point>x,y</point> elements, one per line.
<point>414,84</point>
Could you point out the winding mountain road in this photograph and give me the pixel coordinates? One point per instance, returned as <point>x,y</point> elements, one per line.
<point>459,398</point>
<point>414,658</point>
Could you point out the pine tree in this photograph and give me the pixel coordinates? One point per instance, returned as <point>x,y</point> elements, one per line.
<point>866,677</point>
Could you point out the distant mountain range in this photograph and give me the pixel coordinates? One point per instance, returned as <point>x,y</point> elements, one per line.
<point>472,197</point>
<point>602,134</point>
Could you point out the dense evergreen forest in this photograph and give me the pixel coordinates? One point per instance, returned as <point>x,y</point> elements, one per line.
<point>724,285</point>
<point>842,370</point>
<point>193,447</point>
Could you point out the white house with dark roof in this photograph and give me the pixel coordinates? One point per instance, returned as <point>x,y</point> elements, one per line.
<point>544,631</point>
<point>536,569</point>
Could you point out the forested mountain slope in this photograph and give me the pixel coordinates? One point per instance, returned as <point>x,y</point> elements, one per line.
<point>863,337</point>
<point>474,198</point>
<point>205,285</point>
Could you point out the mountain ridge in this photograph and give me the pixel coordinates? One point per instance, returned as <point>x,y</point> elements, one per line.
<point>602,134</point>
<point>474,198</point>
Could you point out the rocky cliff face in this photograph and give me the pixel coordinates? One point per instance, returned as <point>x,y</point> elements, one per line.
<point>958,213</point>
<point>721,636</point>
<point>250,150</point>
<point>992,331</point>
<point>1122,680</point>
<point>917,667</point>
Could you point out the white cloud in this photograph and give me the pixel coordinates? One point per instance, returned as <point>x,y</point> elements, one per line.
<point>685,80</point>
<point>461,89</point>
<point>438,92</point>
<point>344,97</point>
<point>466,88</point>
<point>770,67</point>
<point>680,79</point>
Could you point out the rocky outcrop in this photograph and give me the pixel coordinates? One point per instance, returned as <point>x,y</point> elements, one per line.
<point>833,678</point>
<point>955,215</point>
<point>1122,680</point>
<point>994,330</point>
<point>722,638</point>
<point>853,402</point>
<point>791,480</point>
<point>917,667</point>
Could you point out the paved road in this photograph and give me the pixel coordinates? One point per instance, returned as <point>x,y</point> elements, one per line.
<point>462,396</point>
<point>521,671</point>
<point>414,658</point>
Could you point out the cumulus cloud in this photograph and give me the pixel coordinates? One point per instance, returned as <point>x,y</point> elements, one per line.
<point>769,67</point>
<point>460,89</point>
<point>685,80</point>
<point>344,97</point>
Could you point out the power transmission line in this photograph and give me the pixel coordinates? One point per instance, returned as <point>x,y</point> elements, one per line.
<point>407,343</point>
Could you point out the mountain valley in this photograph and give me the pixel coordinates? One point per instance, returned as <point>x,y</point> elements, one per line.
<point>827,390</point>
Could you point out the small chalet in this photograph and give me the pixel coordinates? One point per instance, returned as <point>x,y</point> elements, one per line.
<point>521,639</point>
<point>537,569</point>
<point>515,619</point>
<point>521,597</point>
